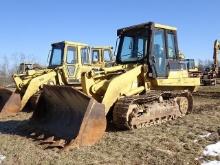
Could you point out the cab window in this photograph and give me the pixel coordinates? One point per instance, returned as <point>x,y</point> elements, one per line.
<point>107,55</point>
<point>132,48</point>
<point>71,55</point>
<point>171,46</point>
<point>159,53</point>
<point>85,56</point>
<point>95,56</point>
<point>56,57</point>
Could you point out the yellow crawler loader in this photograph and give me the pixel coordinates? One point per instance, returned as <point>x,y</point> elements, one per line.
<point>67,61</point>
<point>24,66</point>
<point>150,86</point>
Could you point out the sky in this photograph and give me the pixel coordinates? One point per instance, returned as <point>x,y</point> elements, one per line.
<point>30,26</point>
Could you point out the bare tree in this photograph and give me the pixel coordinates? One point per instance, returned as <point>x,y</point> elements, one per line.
<point>200,65</point>
<point>4,72</point>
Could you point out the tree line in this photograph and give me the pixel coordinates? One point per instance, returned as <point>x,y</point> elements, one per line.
<point>202,64</point>
<point>9,65</point>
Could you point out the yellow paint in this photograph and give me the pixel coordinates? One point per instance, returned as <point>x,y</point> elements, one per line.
<point>157,25</point>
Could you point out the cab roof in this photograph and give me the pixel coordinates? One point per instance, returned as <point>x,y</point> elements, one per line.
<point>102,47</point>
<point>70,43</point>
<point>147,25</point>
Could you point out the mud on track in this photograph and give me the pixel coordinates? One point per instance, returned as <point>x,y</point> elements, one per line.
<point>175,142</point>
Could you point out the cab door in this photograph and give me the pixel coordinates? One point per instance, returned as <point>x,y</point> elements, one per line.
<point>159,53</point>
<point>71,62</point>
<point>85,63</point>
<point>173,63</point>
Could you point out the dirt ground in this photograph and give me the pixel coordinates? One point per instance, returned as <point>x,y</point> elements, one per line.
<point>175,142</point>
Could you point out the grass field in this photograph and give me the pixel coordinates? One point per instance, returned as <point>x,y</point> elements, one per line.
<point>176,142</point>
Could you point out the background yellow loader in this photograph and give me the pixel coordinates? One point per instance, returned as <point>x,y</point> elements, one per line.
<point>24,66</point>
<point>66,62</point>
<point>150,86</point>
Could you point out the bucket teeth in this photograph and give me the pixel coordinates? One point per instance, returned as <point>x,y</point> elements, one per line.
<point>48,140</point>
<point>33,134</point>
<point>40,137</point>
<point>59,144</point>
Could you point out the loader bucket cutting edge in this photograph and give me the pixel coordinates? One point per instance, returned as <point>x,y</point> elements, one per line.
<point>10,102</point>
<point>66,113</point>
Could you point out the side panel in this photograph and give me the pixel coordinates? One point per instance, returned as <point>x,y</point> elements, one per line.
<point>176,80</point>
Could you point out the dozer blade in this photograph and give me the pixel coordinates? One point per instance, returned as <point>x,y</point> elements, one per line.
<point>68,114</point>
<point>10,102</point>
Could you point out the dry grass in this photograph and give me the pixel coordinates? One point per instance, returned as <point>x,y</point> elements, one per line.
<point>175,142</point>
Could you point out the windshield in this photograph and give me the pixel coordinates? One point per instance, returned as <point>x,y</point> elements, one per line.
<point>95,56</point>
<point>132,47</point>
<point>71,55</point>
<point>107,55</point>
<point>56,56</point>
<point>85,56</point>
